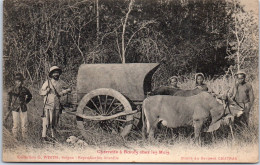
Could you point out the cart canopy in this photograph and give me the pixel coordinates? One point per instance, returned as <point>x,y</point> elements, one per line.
<point>133,80</point>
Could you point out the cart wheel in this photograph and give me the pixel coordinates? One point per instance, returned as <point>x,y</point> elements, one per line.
<point>105,102</point>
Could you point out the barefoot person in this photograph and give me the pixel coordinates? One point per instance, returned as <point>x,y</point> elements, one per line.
<point>199,82</point>
<point>18,97</point>
<point>53,90</point>
<point>242,93</point>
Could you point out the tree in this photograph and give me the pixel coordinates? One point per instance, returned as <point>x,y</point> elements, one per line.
<point>243,38</point>
<point>191,35</point>
<point>123,31</point>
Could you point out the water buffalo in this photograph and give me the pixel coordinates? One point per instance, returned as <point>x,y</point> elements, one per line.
<point>176,111</point>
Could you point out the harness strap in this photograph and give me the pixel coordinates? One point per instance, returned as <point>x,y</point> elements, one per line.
<point>55,91</point>
<point>239,104</point>
<point>226,106</point>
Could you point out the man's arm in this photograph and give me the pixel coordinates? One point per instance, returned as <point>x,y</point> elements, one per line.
<point>9,99</point>
<point>65,88</point>
<point>251,95</point>
<point>233,91</point>
<point>45,89</point>
<point>28,96</point>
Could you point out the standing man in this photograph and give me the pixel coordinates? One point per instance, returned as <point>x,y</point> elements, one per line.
<point>52,90</point>
<point>18,97</point>
<point>242,94</point>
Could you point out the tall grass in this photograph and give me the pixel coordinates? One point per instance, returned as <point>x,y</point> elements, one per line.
<point>165,137</point>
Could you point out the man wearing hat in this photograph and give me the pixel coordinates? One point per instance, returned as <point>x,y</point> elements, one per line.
<point>242,94</point>
<point>18,97</point>
<point>53,89</point>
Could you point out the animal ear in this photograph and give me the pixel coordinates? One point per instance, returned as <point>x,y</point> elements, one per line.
<point>239,113</point>
<point>214,126</point>
<point>221,96</point>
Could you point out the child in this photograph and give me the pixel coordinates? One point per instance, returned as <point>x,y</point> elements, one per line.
<point>18,97</point>
<point>199,82</point>
<point>173,82</point>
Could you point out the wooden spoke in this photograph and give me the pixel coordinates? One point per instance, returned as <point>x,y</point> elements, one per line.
<point>111,104</point>
<point>90,112</point>
<point>91,124</point>
<point>113,109</point>
<point>106,126</point>
<point>95,106</point>
<point>113,125</point>
<point>96,123</point>
<point>105,103</point>
<point>100,105</point>
<point>104,110</point>
<point>90,108</point>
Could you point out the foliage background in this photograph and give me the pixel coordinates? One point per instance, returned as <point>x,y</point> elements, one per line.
<point>215,37</point>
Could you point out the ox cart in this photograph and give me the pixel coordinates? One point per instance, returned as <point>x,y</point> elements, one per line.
<point>110,95</point>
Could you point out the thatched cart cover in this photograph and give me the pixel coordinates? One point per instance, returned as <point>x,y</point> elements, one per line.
<point>132,80</point>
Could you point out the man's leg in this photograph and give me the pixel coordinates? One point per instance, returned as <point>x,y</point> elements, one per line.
<point>246,116</point>
<point>52,121</point>
<point>45,123</point>
<point>24,124</point>
<point>55,119</point>
<point>16,118</point>
<point>242,121</point>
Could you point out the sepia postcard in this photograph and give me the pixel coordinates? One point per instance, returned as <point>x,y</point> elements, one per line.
<point>156,81</point>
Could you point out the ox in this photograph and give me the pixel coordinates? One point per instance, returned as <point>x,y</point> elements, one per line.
<point>176,111</point>
<point>175,92</point>
<point>165,90</point>
<point>186,93</point>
